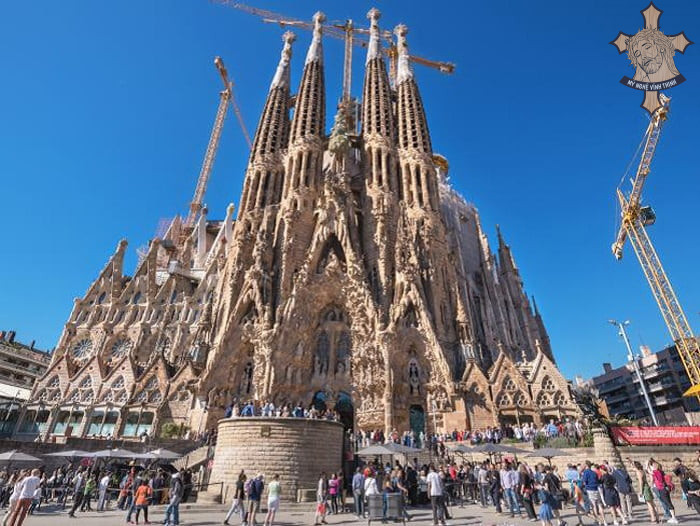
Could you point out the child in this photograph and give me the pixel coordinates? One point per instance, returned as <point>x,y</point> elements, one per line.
<point>142,497</point>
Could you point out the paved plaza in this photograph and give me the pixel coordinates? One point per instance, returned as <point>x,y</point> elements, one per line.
<point>292,514</point>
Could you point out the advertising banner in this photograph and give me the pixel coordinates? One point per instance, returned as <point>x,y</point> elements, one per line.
<point>651,436</point>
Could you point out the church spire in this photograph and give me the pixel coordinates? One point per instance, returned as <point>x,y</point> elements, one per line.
<point>264,177</point>
<point>310,112</point>
<point>418,174</point>
<point>308,124</point>
<point>377,117</point>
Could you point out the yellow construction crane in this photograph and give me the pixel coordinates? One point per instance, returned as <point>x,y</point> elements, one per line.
<point>635,218</point>
<point>225,97</point>
<point>351,35</point>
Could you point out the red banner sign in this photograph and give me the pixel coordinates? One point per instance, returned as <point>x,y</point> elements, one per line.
<point>651,436</point>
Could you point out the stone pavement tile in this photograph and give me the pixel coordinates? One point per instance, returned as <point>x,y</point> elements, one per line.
<point>302,514</point>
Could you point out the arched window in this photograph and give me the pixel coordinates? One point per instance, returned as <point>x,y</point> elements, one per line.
<point>150,392</point>
<point>53,383</point>
<point>520,399</point>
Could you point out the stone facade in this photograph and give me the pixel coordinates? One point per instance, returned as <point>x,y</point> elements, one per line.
<point>296,449</point>
<point>354,276</point>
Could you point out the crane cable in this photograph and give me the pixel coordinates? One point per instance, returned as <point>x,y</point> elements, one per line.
<point>633,160</point>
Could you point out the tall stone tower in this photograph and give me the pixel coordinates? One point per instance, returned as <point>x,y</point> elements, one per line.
<point>354,278</point>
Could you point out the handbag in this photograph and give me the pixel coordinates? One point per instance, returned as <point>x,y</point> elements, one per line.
<point>641,497</point>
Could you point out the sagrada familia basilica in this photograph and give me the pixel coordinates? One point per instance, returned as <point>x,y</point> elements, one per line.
<point>353,277</point>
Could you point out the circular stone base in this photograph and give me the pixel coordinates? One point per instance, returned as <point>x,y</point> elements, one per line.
<point>297,449</point>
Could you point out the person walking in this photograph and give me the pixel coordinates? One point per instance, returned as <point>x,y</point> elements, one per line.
<point>102,491</point>
<point>274,491</point>
<point>15,482</point>
<point>358,491</point>
<point>321,496</point>
<point>254,496</point>
<point>509,482</point>
<point>611,497</point>
<point>333,484</point>
<point>646,493</point>
<point>78,491</point>
<point>495,488</point>
<point>546,514</point>
<point>238,504</point>
<point>527,492</point>
<point>27,488</point>
<point>482,479</point>
<point>662,489</point>
<point>436,494</point>
<point>172,512</point>
<point>591,485</point>
<point>623,483</point>
<point>90,486</point>
<point>142,498</point>
<point>553,482</point>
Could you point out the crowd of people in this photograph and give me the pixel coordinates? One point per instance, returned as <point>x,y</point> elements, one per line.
<point>268,409</point>
<point>597,491</point>
<point>571,429</point>
<point>23,492</point>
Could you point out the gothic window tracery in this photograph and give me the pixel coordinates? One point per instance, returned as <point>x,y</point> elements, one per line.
<point>53,383</point>
<point>503,400</point>
<point>520,399</point>
<point>509,385</point>
<point>544,399</point>
<point>120,348</point>
<point>548,384</point>
<point>82,349</point>
<point>559,399</point>
<point>150,393</point>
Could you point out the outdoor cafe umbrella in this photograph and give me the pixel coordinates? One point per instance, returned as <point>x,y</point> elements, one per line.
<point>391,448</point>
<point>164,454</point>
<point>17,456</point>
<point>549,453</point>
<point>461,448</point>
<point>71,453</point>
<point>490,449</point>
<point>114,453</point>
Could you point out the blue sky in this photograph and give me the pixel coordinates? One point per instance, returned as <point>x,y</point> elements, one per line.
<point>106,107</point>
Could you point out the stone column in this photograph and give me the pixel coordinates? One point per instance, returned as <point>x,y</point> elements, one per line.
<point>604,447</point>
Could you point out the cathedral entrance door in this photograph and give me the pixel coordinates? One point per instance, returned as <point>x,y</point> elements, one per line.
<point>416,419</point>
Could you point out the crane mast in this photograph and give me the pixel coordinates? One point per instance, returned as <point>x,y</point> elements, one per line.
<point>225,98</point>
<point>635,218</point>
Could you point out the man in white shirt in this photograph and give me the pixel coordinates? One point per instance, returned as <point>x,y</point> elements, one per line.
<point>436,496</point>
<point>509,483</point>
<point>104,484</point>
<point>26,493</point>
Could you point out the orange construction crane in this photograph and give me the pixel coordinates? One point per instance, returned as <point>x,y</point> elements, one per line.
<point>347,32</point>
<point>225,97</point>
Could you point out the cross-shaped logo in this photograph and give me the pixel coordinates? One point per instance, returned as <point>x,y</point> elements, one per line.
<point>651,53</point>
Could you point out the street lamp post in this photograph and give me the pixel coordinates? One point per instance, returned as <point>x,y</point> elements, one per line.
<point>630,356</point>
